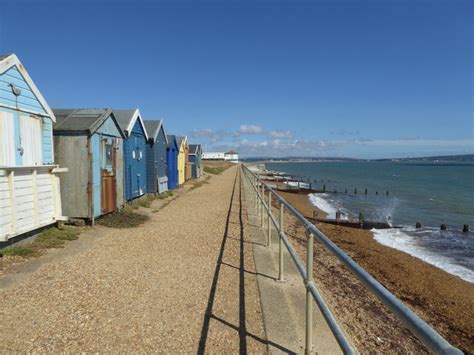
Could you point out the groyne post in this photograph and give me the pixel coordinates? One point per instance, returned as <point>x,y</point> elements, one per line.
<point>309,300</point>
<point>418,225</point>
<point>280,244</point>
<point>366,191</point>
<point>465,228</point>
<point>443,227</point>
<point>269,221</point>
<point>355,191</point>
<point>324,188</point>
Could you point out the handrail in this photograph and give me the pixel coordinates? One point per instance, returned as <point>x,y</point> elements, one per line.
<point>427,335</point>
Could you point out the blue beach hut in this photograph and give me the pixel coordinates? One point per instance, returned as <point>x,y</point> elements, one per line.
<point>195,159</point>
<point>89,142</point>
<point>134,152</point>
<point>156,175</point>
<point>29,184</point>
<point>172,160</point>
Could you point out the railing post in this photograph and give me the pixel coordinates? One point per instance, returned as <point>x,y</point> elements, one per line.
<point>269,221</point>
<point>263,206</point>
<point>280,244</point>
<point>309,300</point>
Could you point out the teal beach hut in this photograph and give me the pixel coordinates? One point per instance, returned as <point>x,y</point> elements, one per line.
<point>89,142</point>
<point>157,178</point>
<point>132,125</point>
<point>172,159</point>
<point>195,158</point>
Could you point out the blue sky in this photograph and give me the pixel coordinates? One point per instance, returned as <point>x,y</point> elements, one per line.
<point>319,78</point>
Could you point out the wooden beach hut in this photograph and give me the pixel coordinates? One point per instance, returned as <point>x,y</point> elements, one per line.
<point>89,142</point>
<point>131,123</point>
<point>195,159</point>
<point>29,184</point>
<point>181,140</point>
<point>172,161</point>
<point>157,178</point>
<point>187,163</point>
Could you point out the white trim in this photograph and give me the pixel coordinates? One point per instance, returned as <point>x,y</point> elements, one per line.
<point>11,61</point>
<point>136,116</point>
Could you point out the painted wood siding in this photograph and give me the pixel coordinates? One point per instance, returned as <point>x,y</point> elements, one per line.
<point>135,163</point>
<point>172,172</point>
<point>27,100</point>
<point>28,200</point>
<point>181,164</point>
<point>157,178</point>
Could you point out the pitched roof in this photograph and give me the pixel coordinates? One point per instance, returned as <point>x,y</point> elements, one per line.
<point>180,139</point>
<point>86,120</point>
<point>194,149</point>
<point>10,60</point>
<point>171,138</point>
<point>231,152</point>
<point>153,129</point>
<point>127,118</point>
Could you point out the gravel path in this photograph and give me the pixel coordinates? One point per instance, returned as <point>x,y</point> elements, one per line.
<point>182,282</point>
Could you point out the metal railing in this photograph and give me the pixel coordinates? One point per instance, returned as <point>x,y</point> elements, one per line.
<point>257,188</point>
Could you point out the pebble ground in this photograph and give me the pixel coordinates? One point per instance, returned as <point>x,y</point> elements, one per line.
<point>182,282</point>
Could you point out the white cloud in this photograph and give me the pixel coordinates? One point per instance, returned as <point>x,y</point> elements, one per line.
<point>250,129</point>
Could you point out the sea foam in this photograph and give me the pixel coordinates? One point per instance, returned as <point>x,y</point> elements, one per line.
<point>399,239</point>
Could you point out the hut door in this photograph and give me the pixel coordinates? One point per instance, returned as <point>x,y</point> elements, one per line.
<point>109,183</point>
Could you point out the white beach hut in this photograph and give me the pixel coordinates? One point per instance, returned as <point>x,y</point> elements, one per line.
<point>29,185</point>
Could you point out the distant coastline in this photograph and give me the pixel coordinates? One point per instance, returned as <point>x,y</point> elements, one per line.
<point>465,158</point>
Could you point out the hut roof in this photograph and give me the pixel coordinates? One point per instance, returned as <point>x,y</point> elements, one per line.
<point>172,138</point>
<point>180,139</point>
<point>10,60</point>
<point>127,118</point>
<point>82,120</point>
<point>153,128</point>
<point>194,149</point>
<point>231,152</point>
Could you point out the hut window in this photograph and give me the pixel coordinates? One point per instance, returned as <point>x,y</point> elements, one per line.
<point>109,154</point>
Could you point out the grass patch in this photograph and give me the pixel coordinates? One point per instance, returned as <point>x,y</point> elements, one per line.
<point>55,238</point>
<point>216,167</point>
<point>18,251</point>
<point>50,238</point>
<point>123,219</point>
<point>166,194</point>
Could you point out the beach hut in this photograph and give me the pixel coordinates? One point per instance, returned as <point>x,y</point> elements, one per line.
<point>29,184</point>
<point>157,178</point>
<point>134,152</point>
<point>181,140</point>
<point>172,160</point>
<point>89,142</point>
<point>188,165</point>
<point>195,158</point>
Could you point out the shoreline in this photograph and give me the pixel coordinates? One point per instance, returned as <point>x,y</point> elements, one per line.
<point>443,300</point>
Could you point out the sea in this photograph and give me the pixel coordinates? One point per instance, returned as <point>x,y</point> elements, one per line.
<point>430,193</point>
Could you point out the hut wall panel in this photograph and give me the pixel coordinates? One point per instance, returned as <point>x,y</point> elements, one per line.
<point>47,138</point>
<point>72,152</point>
<point>150,167</point>
<point>27,100</point>
<point>172,170</point>
<point>135,168</point>
<point>96,173</point>
<point>181,164</point>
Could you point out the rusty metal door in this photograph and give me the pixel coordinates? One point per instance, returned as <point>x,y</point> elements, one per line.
<point>109,182</point>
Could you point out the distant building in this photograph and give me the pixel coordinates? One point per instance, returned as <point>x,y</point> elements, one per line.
<point>213,156</point>
<point>232,156</point>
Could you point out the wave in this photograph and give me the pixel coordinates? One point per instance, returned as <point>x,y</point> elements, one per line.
<point>401,239</point>
<point>325,205</point>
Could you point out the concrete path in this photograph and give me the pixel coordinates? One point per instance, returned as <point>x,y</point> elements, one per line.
<point>283,303</point>
<point>183,282</point>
